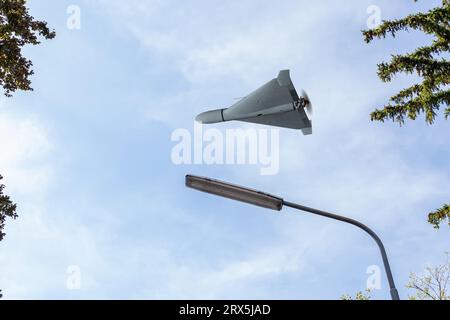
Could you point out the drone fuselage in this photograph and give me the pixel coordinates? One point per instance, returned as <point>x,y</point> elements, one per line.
<point>276,103</point>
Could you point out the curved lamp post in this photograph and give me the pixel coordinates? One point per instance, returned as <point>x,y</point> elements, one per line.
<point>268,201</point>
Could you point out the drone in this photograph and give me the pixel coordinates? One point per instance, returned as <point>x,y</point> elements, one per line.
<point>275,104</point>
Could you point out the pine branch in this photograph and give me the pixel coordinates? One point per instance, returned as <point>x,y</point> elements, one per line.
<point>438,46</point>
<point>425,101</point>
<point>424,67</point>
<point>435,22</point>
<point>432,94</point>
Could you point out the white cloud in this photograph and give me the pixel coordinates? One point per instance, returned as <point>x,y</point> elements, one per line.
<point>24,142</point>
<point>226,48</point>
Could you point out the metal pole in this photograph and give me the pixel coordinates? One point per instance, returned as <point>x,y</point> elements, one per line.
<point>393,290</point>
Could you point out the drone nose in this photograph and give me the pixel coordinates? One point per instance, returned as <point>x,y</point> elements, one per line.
<point>213,116</point>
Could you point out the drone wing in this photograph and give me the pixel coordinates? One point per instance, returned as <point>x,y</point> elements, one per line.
<point>295,119</point>
<point>276,92</point>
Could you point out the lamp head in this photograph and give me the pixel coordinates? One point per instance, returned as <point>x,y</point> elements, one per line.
<point>234,192</point>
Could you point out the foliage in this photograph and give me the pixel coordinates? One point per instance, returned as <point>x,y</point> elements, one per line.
<point>17,29</point>
<point>433,284</point>
<point>429,63</point>
<point>360,296</point>
<point>7,209</point>
<point>439,216</point>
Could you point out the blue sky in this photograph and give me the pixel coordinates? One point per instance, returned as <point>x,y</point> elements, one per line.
<point>87,155</point>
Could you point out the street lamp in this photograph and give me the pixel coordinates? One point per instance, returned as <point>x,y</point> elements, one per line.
<point>269,201</point>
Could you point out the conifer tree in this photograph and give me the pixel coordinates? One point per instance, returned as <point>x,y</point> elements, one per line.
<point>430,63</point>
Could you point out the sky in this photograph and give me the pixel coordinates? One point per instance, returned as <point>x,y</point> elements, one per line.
<point>104,213</point>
